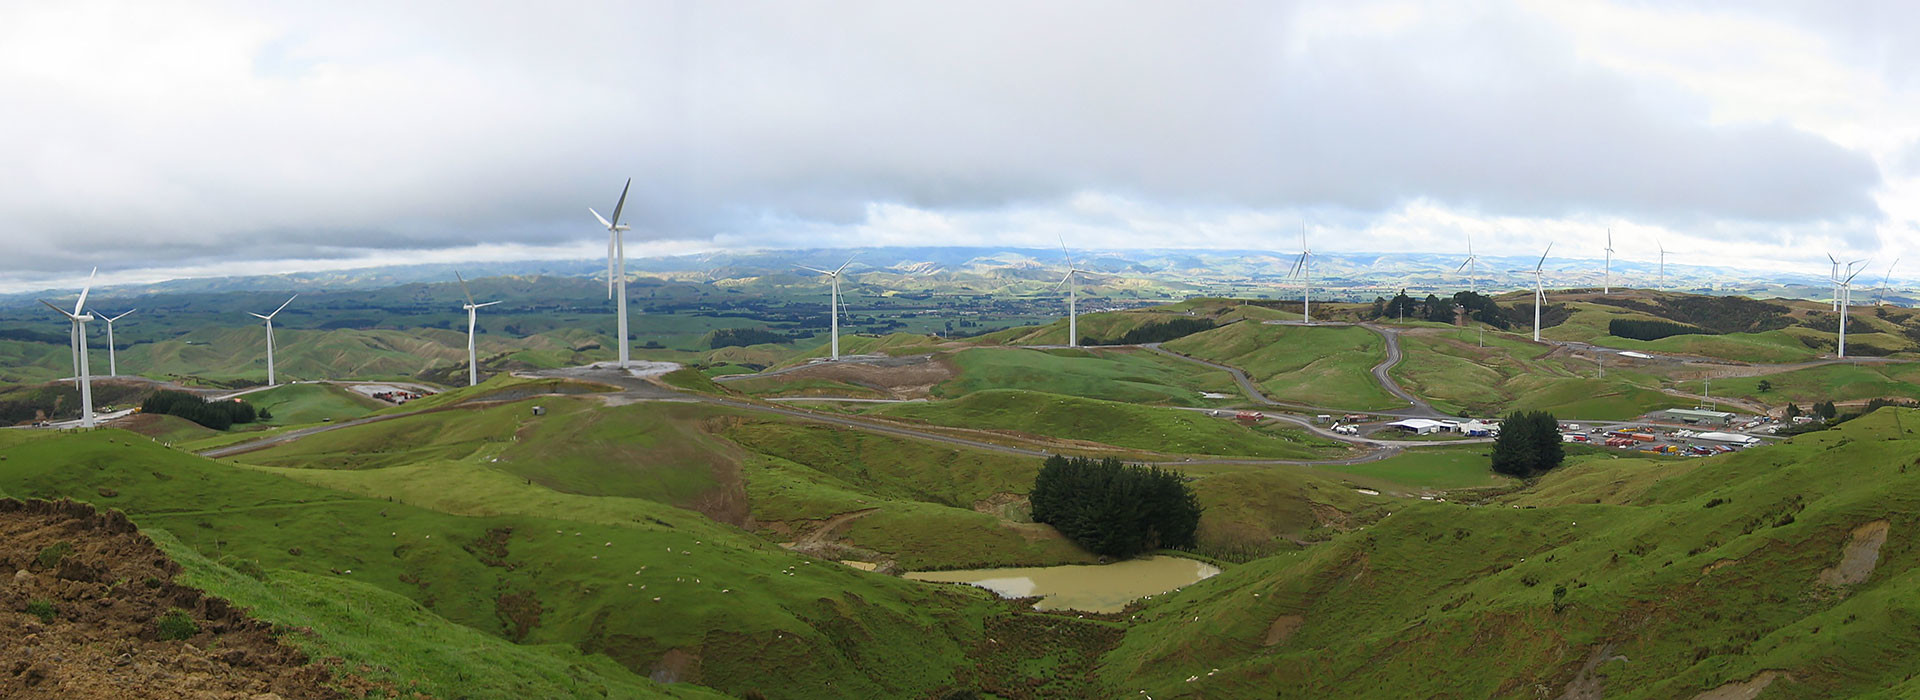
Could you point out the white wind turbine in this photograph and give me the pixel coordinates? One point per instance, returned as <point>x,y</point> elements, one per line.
<point>1880,297</point>
<point>113,364</point>
<point>1846,303</point>
<point>473,364</point>
<point>79,318</point>
<point>1833,275</point>
<point>269,319</point>
<point>617,251</point>
<point>1073,296</point>
<point>1606,274</point>
<point>1303,266</point>
<point>1539,291</point>
<point>1663,264</point>
<point>833,305</point>
<point>1472,266</point>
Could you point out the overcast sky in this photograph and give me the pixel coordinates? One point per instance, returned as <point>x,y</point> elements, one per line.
<point>164,138</point>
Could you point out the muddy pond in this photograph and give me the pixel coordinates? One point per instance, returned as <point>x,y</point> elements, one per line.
<point>1091,588</point>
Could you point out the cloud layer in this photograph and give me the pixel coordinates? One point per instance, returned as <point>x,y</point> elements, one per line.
<point>192,135</point>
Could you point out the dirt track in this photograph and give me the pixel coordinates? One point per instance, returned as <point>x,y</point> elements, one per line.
<point>84,625</point>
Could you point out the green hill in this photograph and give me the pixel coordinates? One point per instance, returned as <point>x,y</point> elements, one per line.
<point>1145,428</point>
<point>1133,376</point>
<point>1325,365</point>
<point>1786,564</point>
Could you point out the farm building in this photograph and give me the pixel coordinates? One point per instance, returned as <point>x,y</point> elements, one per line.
<point>1692,416</point>
<point>1734,438</point>
<point>1420,426</point>
<point>1476,428</point>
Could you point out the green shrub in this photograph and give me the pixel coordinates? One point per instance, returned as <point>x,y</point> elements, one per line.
<point>42,608</point>
<point>176,624</point>
<point>53,555</point>
<point>1115,509</point>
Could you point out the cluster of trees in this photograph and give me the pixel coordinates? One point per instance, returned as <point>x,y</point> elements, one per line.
<point>1158,332</point>
<point>1478,307</point>
<point>1114,509</point>
<point>1642,329</point>
<point>218,415</point>
<point>728,337</point>
<point>1715,313</point>
<point>1529,444</point>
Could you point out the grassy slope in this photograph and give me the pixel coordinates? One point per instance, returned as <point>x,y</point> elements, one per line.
<point>294,404</point>
<point>1104,325</point>
<point>742,607</point>
<point>1827,383</point>
<point>1452,372</point>
<point>1446,599</point>
<point>1325,365</point>
<point>1164,430</point>
<point>1133,376</point>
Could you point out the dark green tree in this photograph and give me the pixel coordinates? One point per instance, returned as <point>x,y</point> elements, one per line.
<point>1826,410</point>
<point>1764,386</point>
<point>1114,509</point>
<point>1529,444</point>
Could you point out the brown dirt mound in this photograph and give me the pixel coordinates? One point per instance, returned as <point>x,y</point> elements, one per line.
<point>911,377</point>
<point>80,608</point>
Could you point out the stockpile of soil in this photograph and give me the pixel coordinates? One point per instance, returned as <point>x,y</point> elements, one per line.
<point>89,609</point>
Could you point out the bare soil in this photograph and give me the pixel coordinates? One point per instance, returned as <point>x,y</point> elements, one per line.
<point>911,377</point>
<point>1742,690</point>
<point>1858,557</point>
<point>96,589</point>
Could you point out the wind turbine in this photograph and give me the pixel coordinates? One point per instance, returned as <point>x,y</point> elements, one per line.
<point>1663,263</point>
<point>1539,291</point>
<point>82,377</point>
<point>1846,301</point>
<point>617,251</point>
<point>1472,266</point>
<point>473,366</point>
<point>269,319</point>
<point>113,365</point>
<point>1834,276</point>
<point>1073,297</point>
<point>1606,274</point>
<point>1881,297</point>
<point>1303,266</point>
<point>833,304</point>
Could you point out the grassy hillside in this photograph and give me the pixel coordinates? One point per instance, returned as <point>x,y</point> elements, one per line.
<point>1703,574</point>
<point>1452,371</point>
<point>294,404</point>
<point>1850,382</point>
<point>1146,428</point>
<point>1133,376</point>
<point>659,590</point>
<point>1325,365</point>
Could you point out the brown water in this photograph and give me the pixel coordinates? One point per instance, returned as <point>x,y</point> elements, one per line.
<point>1091,588</point>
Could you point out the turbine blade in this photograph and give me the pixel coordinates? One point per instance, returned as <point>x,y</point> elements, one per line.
<point>128,311</point>
<point>604,223</point>
<point>463,287</point>
<point>1463,264</point>
<point>276,312</point>
<point>622,204</point>
<point>82,303</point>
<point>815,269</point>
<point>258,316</point>
<point>63,312</point>
<point>843,266</point>
<point>1543,258</point>
<point>490,303</point>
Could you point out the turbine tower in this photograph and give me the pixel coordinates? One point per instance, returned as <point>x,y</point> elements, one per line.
<point>617,274</point>
<point>1606,274</point>
<point>1472,266</point>
<point>79,318</point>
<point>1303,266</point>
<point>473,365</point>
<point>1881,297</point>
<point>269,319</point>
<point>1846,301</point>
<point>113,365</point>
<point>1073,297</point>
<point>1539,291</point>
<point>833,305</point>
<point>1663,263</point>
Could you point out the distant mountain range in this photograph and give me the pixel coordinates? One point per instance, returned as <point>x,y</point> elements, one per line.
<point>1172,273</point>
